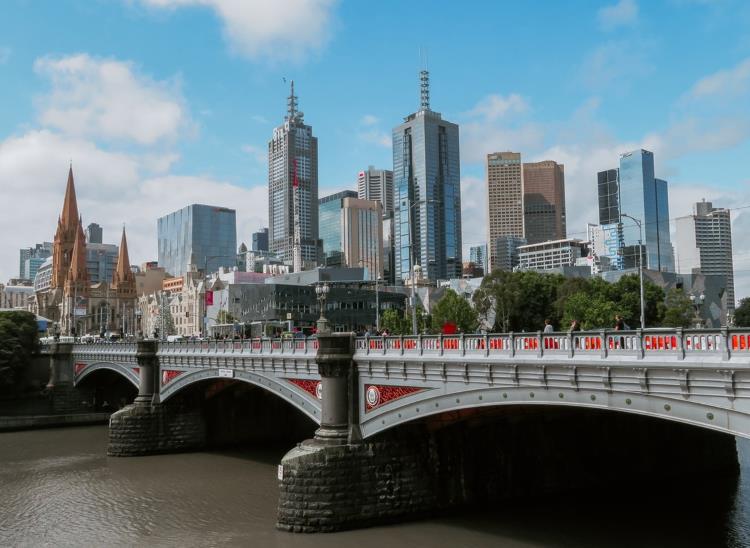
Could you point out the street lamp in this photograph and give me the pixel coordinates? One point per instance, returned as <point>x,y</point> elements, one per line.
<point>640,266</point>
<point>321,291</point>
<point>697,302</point>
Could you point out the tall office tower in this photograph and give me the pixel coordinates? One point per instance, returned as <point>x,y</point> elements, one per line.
<point>478,256</point>
<point>608,186</point>
<point>504,200</point>
<point>330,227</point>
<point>427,193</point>
<point>704,244</point>
<point>544,201</point>
<point>293,168</point>
<point>362,235</point>
<point>201,235</point>
<point>506,252</point>
<point>646,198</point>
<point>101,261</point>
<point>94,234</point>
<point>260,240</point>
<point>376,184</point>
<point>31,258</point>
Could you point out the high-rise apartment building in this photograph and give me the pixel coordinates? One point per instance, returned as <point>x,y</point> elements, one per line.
<point>201,235</point>
<point>362,235</point>
<point>31,258</point>
<point>330,226</point>
<point>427,194</point>
<point>94,234</point>
<point>504,200</point>
<point>376,184</point>
<point>478,256</point>
<point>293,168</point>
<point>260,240</point>
<point>544,201</point>
<point>633,191</point>
<point>704,245</point>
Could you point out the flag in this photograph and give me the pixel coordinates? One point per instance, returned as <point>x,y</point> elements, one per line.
<point>209,298</point>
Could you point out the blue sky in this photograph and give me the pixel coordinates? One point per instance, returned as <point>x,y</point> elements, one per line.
<point>164,102</point>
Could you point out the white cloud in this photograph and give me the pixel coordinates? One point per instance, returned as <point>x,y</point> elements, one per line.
<point>112,189</point>
<point>259,154</point>
<point>376,137</point>
<point>107,99</point>
<point>496,106</point>
<point>616,63</point>
<point>473,212</point>
<point>624,13</point>
<point>279,30</point>
<point>369,120</point>
<point>728,82</point>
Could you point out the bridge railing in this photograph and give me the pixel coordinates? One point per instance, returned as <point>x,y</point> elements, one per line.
<point>105,348</point>
<point>679,343</point>
<point>298,345</point>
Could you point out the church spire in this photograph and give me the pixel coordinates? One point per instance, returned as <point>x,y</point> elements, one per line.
<point>123,278</point>
<point>70,205</point>
<point>78,273</point>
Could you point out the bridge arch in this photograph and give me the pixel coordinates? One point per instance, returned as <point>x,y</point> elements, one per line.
<point>122,370</point>
<point>289,393</point>
<point>430,403</point>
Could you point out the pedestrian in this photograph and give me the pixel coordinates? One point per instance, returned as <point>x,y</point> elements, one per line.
<point>619,323</point>
<point>548,326</point>
<point>574,326</point>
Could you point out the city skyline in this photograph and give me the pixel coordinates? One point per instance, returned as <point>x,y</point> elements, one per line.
<point>166,162</point>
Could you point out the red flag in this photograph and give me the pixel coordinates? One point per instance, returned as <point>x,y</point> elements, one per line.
<point>295,182</point>
<point>209,298</point>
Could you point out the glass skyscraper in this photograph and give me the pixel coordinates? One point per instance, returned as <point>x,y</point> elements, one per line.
<point>203,235</point>
<point>329,225</point>
<point>427,194</point>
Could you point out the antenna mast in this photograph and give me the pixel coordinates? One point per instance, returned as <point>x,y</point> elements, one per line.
<point>424,82</point>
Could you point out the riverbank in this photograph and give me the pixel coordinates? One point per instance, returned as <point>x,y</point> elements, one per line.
<point>32,422</point>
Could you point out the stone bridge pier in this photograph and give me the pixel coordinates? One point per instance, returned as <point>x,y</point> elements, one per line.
<point>148,426</point>
<point>478,456</point>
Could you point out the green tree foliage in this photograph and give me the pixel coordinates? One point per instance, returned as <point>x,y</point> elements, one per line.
<point>678,311</point>
<point>393,322</point>
<point>224,317</point>
<point>18,341</point>
<point>454,309</point>
<point>742,313</point>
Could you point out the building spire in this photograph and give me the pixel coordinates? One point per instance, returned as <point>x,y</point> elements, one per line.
<point>123,276</point>
<point>291,102</point>
<point>70,205</point>
<point>78,272</point>
<point>424,89</point>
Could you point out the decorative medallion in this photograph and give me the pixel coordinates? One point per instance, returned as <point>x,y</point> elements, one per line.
<point>379,394</point>
<point>168,375</point>
<point>79,366</point>
<point>315,388</point>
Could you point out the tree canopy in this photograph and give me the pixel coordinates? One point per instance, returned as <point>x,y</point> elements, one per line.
<point>18,340</point>
<point>742,313</point>
<point>453,309</point>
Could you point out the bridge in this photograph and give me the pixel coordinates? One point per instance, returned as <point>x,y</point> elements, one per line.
<point>359,389</point>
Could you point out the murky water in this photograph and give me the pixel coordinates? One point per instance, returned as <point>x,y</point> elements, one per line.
<point>58,489</point>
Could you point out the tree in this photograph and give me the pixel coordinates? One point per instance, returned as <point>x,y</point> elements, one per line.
<point>164,323</point>
<point>499,292</point>
<point>742,313</point>
<point>224,316</point>
<point>393,322</point>
<point>678,310</point>
<point>18,341</point>
<point>456,310</point>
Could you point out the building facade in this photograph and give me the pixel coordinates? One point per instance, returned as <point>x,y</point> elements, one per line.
<point>330,226</point>
<point>94,234</point>
<point>551,255</point>
<point>608,188</point>
<point>16,295</point>
<point>101,261</point>
<point>703,242</point>
<point>427,194</point>
<point>260,240</point>
<point>376,184</point>
<point>504,200</point>
<point>478,256</point>
<point>506,252</point>
<point>203,235</point>
<point>31,258</point>
<point>362,235</point>
<point>544,201</point>
<point>293,168</point>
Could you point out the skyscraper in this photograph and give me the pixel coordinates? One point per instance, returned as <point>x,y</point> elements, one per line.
<point>94,234</point>
<point>478,256</point>
<point>293,167</point>
<point>608,187</point>
<point>646,198</point>
<point>704,244</point>
<point>202,235</point>
<point>427,193</point>
<point>362,235</point>
<point>544,201</point>
<point>260,240</point>
<point>330,226</point>
<point>376,184</point>
<point>31,258</point>
<point>504,200</point>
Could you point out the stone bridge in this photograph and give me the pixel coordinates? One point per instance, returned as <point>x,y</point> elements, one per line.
<point>358,390</point>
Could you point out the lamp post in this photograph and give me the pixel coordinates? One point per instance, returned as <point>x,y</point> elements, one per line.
<point>697,302</point>
<point>640,266</point>
<point>321,292</point>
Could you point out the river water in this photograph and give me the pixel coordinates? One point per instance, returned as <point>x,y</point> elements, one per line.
<point>57,488</point>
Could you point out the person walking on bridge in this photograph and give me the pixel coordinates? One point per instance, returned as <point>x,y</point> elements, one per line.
<point>548,326</point>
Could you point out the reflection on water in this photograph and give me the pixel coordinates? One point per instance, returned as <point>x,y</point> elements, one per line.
<point>58,489</point>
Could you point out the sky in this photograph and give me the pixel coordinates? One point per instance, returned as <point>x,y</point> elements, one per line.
<point>162,103</point>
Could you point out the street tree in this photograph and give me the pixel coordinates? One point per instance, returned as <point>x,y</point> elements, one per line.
<point>678,311</point>
<point>454,309</point>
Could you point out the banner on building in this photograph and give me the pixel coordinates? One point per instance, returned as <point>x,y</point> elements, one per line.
<point>209,298</point>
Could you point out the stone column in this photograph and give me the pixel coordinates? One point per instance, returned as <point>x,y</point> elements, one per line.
<point>148,387</point>
<point>334,359</point>
<point>64,398</point>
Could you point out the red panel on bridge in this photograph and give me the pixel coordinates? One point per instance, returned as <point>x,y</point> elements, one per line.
<point>78,367</point>
<point>310,386</point>
<point>168,375</point>
<point>380,394</point>
<point>137,370</point>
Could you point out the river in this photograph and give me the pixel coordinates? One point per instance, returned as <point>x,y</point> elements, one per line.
<point>57,488</point>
